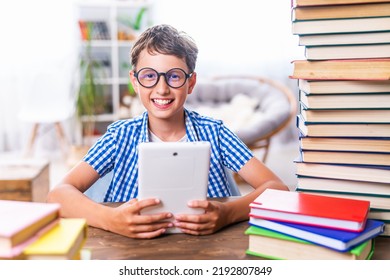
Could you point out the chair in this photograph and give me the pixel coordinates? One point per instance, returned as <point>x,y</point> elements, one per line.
<point>255,108</point>
<point>48,99</point>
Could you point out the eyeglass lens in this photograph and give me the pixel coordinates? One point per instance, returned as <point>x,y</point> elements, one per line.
<point>175,78</point>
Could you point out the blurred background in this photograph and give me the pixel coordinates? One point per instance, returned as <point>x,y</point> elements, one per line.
<point>43,51</point>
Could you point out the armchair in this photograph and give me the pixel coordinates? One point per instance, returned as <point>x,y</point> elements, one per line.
<point>255,108</point>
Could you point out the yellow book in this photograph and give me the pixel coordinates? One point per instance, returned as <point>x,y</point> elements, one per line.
<point>62,242</point>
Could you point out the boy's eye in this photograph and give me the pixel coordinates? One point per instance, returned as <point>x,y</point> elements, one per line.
<point>148,76</point>
<point>174,76</point>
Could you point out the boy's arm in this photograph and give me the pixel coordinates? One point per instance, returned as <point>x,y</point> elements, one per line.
<point>124,219</point>
<point>260,177</point>
<point>69,193</point>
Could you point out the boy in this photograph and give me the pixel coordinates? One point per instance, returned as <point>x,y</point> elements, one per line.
<point>163,74</point>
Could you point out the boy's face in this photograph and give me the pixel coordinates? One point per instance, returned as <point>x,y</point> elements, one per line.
<point>162,101</point>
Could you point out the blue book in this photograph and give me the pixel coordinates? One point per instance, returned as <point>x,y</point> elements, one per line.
<point>339,240</point>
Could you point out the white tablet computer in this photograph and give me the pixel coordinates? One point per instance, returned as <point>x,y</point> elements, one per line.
<point>175,173</point>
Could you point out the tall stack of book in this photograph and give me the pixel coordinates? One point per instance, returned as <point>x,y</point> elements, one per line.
<point>344,94</point>
<point>294,225</point>
<point>33,230</point>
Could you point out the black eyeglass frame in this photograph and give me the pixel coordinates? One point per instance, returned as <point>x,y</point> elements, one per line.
<point>159,74</point>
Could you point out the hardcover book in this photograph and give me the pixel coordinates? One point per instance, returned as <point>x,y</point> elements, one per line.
<point>387,229</point>
<point>341,11</point>
<point>365,173</point>
<point>296,3</point>
<point>339,240</point>
<point>342,186</point>
<point>344,39</point>
<point>345,101</point>
<point>343,87</point>
<point>379,202</point>
<point>345,115</point>
<point>342,69</point>
<point>346,25</point>
<point>64,241</point>
<point>380,214</point>
<point>315,129</point>
<point>364,144</point>
<point>21,220</point>
<point>311,209</point>
<point>347,51</point>
<point>342,157</point>
<point>274,245</point>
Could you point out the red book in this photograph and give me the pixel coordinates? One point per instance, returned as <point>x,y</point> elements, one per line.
<point>311,209</point>
<point>83,30</point>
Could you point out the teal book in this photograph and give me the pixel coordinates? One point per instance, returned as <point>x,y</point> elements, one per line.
<point>269,244</point>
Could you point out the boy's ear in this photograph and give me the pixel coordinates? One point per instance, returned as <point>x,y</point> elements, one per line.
<point>133,80</point>
<point>192,82</point>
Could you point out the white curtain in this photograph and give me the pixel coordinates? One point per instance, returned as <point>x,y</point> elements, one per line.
<point>234,37</point>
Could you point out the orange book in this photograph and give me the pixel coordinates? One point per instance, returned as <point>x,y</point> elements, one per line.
<point>341,11</point>
<point>83,30</point>
<point>295,3</point>
<point>339,69</point>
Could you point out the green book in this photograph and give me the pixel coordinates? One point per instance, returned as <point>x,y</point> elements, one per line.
<point>273,245</point>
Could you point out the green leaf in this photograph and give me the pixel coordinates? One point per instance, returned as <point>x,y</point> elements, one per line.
<point>137,23</point>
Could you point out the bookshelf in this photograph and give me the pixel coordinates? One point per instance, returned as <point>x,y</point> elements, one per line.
<point>112,32</point>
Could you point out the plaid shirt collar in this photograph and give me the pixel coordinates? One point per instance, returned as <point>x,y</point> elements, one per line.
<point>192,136</point>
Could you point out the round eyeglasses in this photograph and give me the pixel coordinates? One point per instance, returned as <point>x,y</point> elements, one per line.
<point>175,78</point>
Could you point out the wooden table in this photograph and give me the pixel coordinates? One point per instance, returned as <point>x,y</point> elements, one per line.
<point>24,179</point>
<point>229,243</point>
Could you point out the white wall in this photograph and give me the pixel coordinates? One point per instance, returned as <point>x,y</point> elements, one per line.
<point>234,37</point>
<point>246,36</point>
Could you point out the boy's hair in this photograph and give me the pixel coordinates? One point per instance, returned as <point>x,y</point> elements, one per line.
<point>165,39</point>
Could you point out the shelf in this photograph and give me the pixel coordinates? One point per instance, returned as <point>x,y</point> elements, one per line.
<point>99,20</point>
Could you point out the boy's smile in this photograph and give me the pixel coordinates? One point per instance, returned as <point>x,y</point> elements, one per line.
<point>162,103</point>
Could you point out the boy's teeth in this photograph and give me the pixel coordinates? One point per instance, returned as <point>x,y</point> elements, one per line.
<point>162,101</point>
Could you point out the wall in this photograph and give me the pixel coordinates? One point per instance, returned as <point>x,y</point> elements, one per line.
<point>234,37</point>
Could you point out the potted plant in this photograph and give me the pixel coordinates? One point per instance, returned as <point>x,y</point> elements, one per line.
<point>90,94</point>
<point>89,100</point>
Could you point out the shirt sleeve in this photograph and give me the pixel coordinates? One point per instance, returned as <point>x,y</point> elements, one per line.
<point>235,154</point>
<point>101,154</point>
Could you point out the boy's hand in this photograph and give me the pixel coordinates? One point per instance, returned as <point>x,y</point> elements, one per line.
<point>212,220</point>
<point>127,220</point>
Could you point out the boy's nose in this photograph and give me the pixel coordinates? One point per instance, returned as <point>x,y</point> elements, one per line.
<point>162,86</point>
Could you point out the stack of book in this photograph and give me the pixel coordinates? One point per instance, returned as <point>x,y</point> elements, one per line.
<point>33,230</point>
<point>300,226</point>
<point>94,30</point>
<point>344,94</point>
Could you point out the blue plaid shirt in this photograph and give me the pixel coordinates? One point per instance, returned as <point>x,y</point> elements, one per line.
<point>117,150</point>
